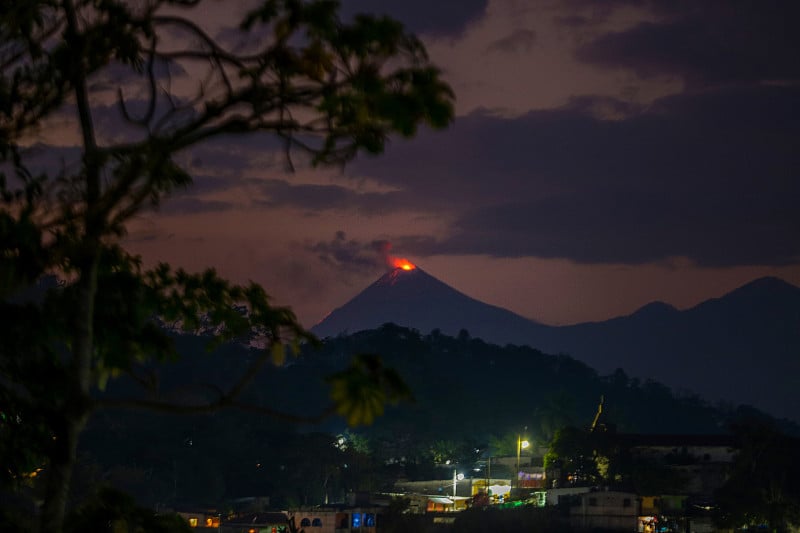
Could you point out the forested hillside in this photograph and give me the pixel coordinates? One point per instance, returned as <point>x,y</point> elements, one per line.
<point>469,397</point>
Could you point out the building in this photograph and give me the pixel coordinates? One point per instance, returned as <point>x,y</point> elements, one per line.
<point>336,520</point>
<point>264,522</point>
<point>329,519</point>
<point>703,460</point>
<point>448,495</point>
<point>604,509</point>
<point>201,519</point>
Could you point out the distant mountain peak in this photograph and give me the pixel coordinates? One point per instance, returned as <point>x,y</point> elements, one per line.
<point>767,292</point>
<point>410,297</point>
<point>655,308</point>
<point>767,283</point>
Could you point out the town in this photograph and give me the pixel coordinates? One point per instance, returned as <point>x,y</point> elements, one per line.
<point>383,266</point>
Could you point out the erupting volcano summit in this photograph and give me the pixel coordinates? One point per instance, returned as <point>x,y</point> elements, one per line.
<point>410,297</point>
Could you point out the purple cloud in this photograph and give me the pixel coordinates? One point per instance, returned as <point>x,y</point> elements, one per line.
<point>710,175</point>
<point>420,16</point>
<point>351,255</point>
<point>706,42</point>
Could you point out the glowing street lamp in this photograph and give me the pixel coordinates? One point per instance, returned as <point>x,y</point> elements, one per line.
<point>456,479</point>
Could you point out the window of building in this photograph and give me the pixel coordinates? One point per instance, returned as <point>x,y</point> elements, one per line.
<point>356,520</point>
<point>626,502</point>
<point>316,523</point>
<point>369,520</point>
<point>305,522</point>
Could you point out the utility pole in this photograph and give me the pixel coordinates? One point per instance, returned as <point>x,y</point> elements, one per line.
<point>520,445</point>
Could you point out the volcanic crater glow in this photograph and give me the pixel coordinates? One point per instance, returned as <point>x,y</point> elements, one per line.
<point>403,264</point>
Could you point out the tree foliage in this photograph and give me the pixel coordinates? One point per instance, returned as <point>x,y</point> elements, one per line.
<point>327,89</point>
<point>572,457</point>
<point>110,508</point>
<point>579,457</point>
<point>762,488</point>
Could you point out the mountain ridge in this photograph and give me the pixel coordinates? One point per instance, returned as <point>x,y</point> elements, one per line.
<point>741,347</point>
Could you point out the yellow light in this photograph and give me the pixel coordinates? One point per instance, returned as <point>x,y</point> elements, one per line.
<point>524,444</point>
<point>193,522</point>
<point>208,522</point>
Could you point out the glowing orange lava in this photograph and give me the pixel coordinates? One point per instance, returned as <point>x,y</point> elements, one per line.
<point>404,264</point>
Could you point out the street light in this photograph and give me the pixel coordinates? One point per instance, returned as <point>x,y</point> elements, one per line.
<point>521,445</point>
<point>456,479</point>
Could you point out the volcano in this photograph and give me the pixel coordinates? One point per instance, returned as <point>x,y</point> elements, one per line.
<point>410,297</point>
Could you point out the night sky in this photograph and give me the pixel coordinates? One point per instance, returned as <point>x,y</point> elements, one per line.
<point>605,153</point>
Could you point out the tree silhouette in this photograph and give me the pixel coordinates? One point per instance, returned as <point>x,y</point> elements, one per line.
<point>325,88</point>
<point>762,487</point>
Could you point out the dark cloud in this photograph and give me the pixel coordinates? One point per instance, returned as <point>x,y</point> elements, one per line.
<point>51,160</point>
<point>351,255</point>
<point>711,175</point>
<point>421,16</point>
<point>236,154</point>
<point>419,245</point>
<point>316,197</point>
<point>579,14</point>
<point>707,42</point>
<point>602,4</point>
<point>603,107</point>
<point>618,228</point>
<point>518,41</point>
<point>224,155</point>
<point>572,21</point>
<point>442,18</point>
<point>281,193</point>
<point>58,160</point>
<point>198,197</point>
<point>205,184</point>
<point>181,205</point>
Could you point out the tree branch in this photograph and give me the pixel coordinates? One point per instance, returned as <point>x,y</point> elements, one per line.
<point>152,96</point>
<point>215,49</point>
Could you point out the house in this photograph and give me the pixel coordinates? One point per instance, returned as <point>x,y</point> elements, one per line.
<point>201,519</point>
<point>322,519</point>
<point>263,522</point>
<point>703,460</point>
<point>336,519</point>
<point>564,495</point>
<point>447,495</point>
<point>604,509</point>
